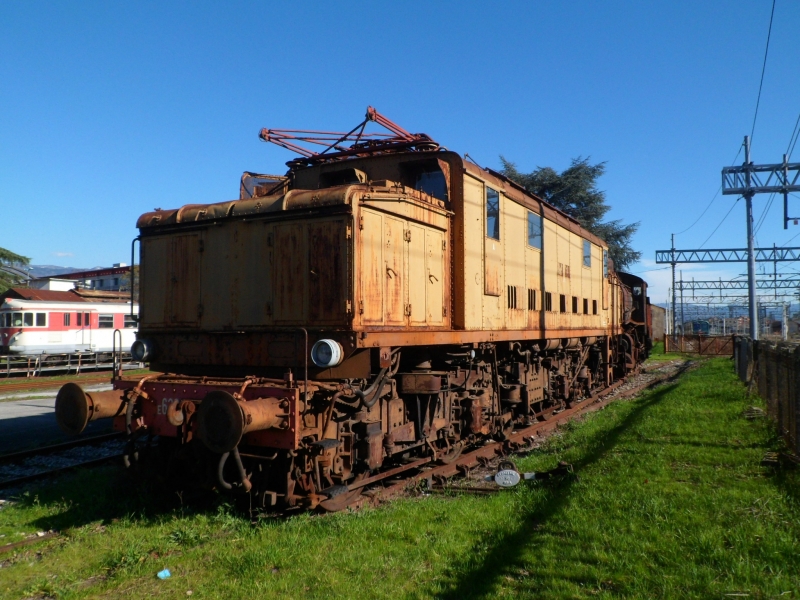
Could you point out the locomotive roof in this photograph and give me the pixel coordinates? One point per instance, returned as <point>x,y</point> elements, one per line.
<point>300,198</point>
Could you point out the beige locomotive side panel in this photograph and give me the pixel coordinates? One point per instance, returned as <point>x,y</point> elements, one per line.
<point>154,281</point>
<point>252,286</point>
<point>170,280</point>
<point>472,251</point>
<point>216,289</point>
<point>516,220</point>
<point>533,276</point>
<point>575,299</point>
<point>291,257</point>
<point>403,279</point>
<point>396,272</point>
<point>550,301</point>
<point>494,298</point>
<point>434,270</point>
<point>372,274</point>
<point>417,286</point>
<point>327,274</point>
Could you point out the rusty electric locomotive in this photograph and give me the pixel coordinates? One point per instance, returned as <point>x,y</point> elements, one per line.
<point>384,302</point>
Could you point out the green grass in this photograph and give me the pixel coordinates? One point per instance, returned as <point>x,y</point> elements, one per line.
<point>669,501</point>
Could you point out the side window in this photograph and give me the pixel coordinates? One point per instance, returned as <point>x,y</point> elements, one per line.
<point>587,253</point>
<point>562,303</point>
<point>27,319</point>
<point>86,321</point>
<point>492,214</point>
<point>41,319</point>
<point>575,305</point>
<point>594,307</point>
<point>548,301</point>
<point>129,321</point>
<point>106,322</point>
<point>67,319</point>
<point>585,306</point>
<point>79,319</point>
<point>16,320</point>
<point>534,230</point>
<point>605,264</point>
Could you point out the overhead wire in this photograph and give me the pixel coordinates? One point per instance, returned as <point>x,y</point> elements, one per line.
<point>763,69</point>
<point>721,222</point>
<point>705,210</point>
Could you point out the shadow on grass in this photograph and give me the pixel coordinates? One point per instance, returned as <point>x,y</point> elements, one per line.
<point>105,494</point>
<point>504,557</point>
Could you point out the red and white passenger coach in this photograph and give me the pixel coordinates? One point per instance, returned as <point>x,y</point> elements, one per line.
<point>36,321</point>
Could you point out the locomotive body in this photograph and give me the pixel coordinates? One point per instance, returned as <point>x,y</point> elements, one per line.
<point>358,315</point>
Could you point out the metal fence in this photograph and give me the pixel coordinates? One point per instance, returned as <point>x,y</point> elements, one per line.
<point>711,345</point>
<point>774,369</point>
<point>33,365</point>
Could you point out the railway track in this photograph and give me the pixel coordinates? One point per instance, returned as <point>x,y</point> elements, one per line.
<point>30,465</point>
<point>37,385</point>
<point>379,488</point>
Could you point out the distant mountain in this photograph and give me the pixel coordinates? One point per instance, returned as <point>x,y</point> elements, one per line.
<point>37,271</point>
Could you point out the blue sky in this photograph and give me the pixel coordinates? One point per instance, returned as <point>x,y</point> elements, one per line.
<point>108,110</point>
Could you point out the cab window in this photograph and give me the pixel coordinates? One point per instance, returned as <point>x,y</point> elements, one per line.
<point>534,230</point>
<point>492,214</point>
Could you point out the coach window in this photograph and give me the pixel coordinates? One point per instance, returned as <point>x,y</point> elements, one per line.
<point>534,230</point>
<point>587,253</point>
<point>41,319</point>
<point>492,214</point>
<point>86,321</point>
<point>129,321</point>
<point>27,319</point>
<point>605,263</point>
<point>66,319</point>
<point>106,322</point>
<point>16,320</point>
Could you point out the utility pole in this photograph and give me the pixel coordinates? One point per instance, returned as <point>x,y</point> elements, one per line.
<point>747,181</point>
<point>674,329</point>
<point>784,324</point>
<point>751,255</point>
<point>683,320</point>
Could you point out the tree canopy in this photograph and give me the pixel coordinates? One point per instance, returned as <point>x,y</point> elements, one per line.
<point>10,265</point>
<point>574,191</point>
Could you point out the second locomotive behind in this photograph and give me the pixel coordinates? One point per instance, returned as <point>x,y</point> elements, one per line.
<point>379,304</point>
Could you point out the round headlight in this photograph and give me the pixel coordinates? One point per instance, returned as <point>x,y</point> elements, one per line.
<point>327,353</point>
<point>141,350</point>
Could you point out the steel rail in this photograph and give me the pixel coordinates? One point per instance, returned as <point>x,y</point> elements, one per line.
<point>105,437</point>
<point>34,476</point>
